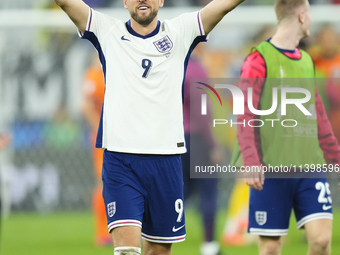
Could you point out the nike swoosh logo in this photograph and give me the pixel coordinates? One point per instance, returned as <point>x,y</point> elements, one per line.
<point>325,207</point>
<point>124,39</point>
<point>174,229</point>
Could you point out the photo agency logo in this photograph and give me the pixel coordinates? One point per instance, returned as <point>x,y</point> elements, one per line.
<point>284,105</point>
<point>204,97</point>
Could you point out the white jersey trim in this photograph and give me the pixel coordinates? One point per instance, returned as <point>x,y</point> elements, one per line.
<point>88,24</point>
<point>200,24</point>
<point>89,20</point>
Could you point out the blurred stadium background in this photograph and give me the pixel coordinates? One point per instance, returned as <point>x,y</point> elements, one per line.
<point>47,174</point>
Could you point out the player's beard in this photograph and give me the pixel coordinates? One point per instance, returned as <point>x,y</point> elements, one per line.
<point>146,20</point>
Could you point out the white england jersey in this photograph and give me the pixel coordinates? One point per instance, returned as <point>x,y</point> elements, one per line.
<point>144,75</point>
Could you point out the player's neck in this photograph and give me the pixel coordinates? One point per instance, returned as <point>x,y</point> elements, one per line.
<point>142,30</point>
<point>286,37</point>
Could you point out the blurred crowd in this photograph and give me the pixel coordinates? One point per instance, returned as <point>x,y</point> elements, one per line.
<point>110,3</point>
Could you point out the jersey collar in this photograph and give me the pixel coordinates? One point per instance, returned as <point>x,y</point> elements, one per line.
<point>282,50</point>
<point>131,31</point>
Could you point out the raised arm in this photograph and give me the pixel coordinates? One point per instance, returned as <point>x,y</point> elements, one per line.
<point>215,11</point>
<point>77,10</point>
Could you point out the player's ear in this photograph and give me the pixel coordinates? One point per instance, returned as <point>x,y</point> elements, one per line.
<point>302,17</point>
<point>161,3</point>
<point>125,4</point>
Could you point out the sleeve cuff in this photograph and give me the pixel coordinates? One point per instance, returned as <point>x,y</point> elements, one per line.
<point>88,24</point>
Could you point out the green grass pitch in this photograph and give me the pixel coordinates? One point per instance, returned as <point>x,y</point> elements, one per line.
<point>72,234</point>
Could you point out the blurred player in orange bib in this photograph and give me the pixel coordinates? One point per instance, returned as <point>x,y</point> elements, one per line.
<point>93,91</point>
<point>327,64</point>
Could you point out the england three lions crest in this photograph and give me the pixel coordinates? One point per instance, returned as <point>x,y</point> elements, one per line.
<point>164,45</point>
<point>111,209</point>
<point>261,217</point>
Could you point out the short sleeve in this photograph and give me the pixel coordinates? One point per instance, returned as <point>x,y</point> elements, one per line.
<point>99,24</point>
<point>189,26</point>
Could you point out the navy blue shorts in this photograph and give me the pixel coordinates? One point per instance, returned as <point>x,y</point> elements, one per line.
<point>270,208</point>
<point>145,191</point>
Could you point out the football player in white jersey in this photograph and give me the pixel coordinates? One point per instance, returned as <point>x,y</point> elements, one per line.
<point>141,128</point>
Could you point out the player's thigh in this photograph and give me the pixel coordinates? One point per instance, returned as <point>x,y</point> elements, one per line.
<point>152,248</point>
<point>312,200</point>
<point>270,208</point>
<point>126,236</point>
<point>270,245</point>
<point>319,232</point>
